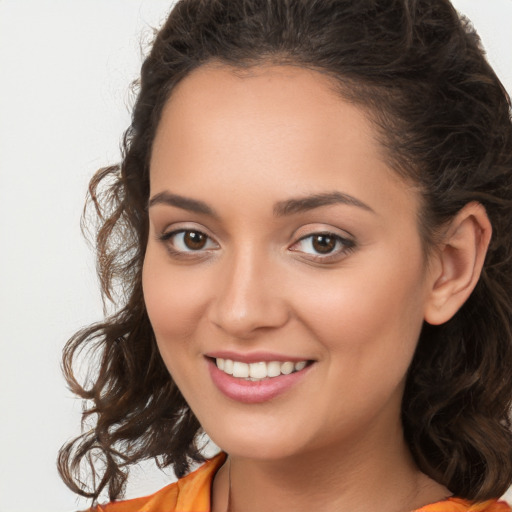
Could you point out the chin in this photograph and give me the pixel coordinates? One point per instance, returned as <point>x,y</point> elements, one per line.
<point>262,450</point>
<point>257,443</point>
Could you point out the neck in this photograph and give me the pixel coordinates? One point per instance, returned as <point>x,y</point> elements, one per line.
<point>380,477</point>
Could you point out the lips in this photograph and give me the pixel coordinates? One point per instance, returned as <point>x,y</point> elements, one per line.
<point>257,379</point>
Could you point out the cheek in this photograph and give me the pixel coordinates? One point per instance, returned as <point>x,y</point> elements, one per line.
<point>369,314</point>
<point>174,302</point>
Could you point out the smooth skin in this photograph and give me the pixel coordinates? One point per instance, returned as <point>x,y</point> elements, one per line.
<point>236,261</point>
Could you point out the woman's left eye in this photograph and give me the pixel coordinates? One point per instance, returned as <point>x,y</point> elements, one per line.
<point>188,240</point>
<point>323,246</point>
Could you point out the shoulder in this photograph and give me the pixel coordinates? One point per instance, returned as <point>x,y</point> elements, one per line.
<point>192,492</point>
<point>460,505</point>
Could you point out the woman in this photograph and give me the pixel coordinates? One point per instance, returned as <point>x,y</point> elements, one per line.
<point>298,243</point>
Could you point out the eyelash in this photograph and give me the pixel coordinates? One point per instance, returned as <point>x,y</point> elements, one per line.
<point>343,246</point>
<point>166,238</point>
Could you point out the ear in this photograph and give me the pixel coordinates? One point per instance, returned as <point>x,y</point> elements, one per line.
<point>458,263</point>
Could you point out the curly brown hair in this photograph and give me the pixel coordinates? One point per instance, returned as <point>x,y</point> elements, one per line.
<point>419,70</point>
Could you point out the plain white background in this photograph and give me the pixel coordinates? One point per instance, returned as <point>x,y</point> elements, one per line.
<point>65,70</point>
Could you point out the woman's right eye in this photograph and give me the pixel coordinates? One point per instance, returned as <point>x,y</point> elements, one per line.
<point>188,241</point>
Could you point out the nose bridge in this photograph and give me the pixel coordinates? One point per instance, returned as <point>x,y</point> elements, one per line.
<point>249,297</point>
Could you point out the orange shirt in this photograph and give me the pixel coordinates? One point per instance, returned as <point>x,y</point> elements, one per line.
<point>192,494</point>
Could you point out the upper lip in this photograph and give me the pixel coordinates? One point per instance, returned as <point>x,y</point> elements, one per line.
<point>254,357</point>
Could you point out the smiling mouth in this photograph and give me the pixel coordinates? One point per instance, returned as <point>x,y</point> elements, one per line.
<point>260,370</point>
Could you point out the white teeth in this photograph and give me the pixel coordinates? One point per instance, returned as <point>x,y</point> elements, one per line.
<point>300,366</point>
<point>240,369</point>
<point>287,367</point>
<point>228,366</point>
<point>260,370</point>
<point>273,369</point>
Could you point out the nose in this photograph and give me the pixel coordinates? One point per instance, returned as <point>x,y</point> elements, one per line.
<point>250,298</point>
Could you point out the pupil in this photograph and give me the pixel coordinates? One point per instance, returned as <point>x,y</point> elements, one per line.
<point>194,240</point>
<point>324,243</point>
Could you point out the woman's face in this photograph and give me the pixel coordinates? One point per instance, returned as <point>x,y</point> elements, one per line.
<point>281,241</point>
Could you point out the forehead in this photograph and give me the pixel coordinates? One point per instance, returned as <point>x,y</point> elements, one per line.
<point>282,130</point>
<point>287,105</point>
<point>254,84</point>
<point>280,96</point>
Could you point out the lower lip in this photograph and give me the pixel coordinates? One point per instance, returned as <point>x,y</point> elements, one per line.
<point>252,392</point>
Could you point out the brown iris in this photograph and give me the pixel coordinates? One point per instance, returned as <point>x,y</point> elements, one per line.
<point>324,244</point>
<point>194,240</point>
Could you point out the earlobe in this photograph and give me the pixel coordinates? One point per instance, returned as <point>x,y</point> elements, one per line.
<point>458,263</point>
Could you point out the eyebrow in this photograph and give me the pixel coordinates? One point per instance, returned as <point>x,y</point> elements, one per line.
<point>304,204</point>
<point>185,203</point>
<point>281,209</point>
